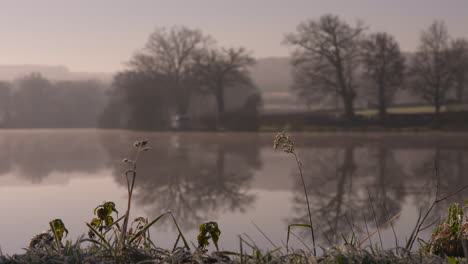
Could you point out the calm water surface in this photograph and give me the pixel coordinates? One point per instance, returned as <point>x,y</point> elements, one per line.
<point>235,179</point>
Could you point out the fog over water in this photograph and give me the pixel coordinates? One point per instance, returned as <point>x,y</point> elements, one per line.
<point>373,93</point>
<point>233,178</point>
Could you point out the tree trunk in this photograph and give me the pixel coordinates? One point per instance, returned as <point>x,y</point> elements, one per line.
<point>382,102</point>
<point>220,100</point>
<point>382,109</point>
<point>182,97</point>
<point>182,104</point>
<point>437,101</point>
<point>437,111</point>
<point>348,101</point>
<point>460,90</point>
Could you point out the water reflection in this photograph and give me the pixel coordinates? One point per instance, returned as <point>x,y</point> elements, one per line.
<point>331,182</point>
<point>442,172</point>
<point>203,176</point>
<point>196,176</point>
<point>34,156</point>
<point>359,185</point>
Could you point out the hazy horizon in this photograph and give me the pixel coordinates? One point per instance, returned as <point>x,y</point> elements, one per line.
<point>99,36</point>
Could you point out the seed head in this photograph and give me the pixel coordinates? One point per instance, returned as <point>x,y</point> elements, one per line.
<point>285,141</point>
<point>140,143</point>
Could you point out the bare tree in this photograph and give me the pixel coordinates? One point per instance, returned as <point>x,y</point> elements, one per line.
<point>432,66</point>
<point>33,101</point>
<point>384,67</point>
<point>5,102</point>
<point>327,57</point>
<point>170,53</point>
<point>460,67</point>
<point>219,69</point>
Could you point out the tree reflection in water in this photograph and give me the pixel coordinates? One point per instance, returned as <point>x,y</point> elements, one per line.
<point>35,155</point>
<point>197,177</point>
<point>348,182</point>
<point>386,187</point>
<point>331,173</point>
<point>200,176</point>
<point>452,167</point>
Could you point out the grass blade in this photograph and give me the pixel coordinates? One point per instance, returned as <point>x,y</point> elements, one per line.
<point>154,222</point>
<point>180,232</point>
<point>176,242</point>
<point>147,226</point>
<point>264,235</point>
<point>103,239</point>
<point>289,231</point>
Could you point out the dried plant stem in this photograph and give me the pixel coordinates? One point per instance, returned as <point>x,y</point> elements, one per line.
<point>288,147</point>
<point>130,185</point>
<point>379,228</point>
<point>299,166</point>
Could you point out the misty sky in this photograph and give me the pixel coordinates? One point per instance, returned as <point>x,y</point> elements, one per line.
<point>100,35</point>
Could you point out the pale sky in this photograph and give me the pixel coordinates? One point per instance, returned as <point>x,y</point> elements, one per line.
<point>100,35</point>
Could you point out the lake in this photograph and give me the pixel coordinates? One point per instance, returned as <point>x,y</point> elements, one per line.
<point>355,182</point>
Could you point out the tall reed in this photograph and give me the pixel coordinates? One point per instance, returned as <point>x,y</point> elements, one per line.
<point>288,147</point>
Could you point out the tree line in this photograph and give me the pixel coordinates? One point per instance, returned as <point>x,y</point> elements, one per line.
<point>33,101</point>
<point>333,58</point>
<point>182,72</point>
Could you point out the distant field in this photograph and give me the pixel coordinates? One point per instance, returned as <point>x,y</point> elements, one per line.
<point>273,104</point>
<point>417,109</point>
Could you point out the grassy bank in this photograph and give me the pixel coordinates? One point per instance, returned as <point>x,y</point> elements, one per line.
<point>344,254</point>
<point>400,120</point>
<point>416,110</point>
<point>341,129</point>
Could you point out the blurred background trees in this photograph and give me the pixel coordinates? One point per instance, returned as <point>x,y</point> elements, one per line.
<point>220,69</point>
<point>182,79</point>
<point>327,57</point>
<point>33,101</point>
<point>384,67</point>
<point>182,75</point>
<point>460,54</point>
<point>433,66</point>
<point>332,58</point>
<point>169,54</point>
